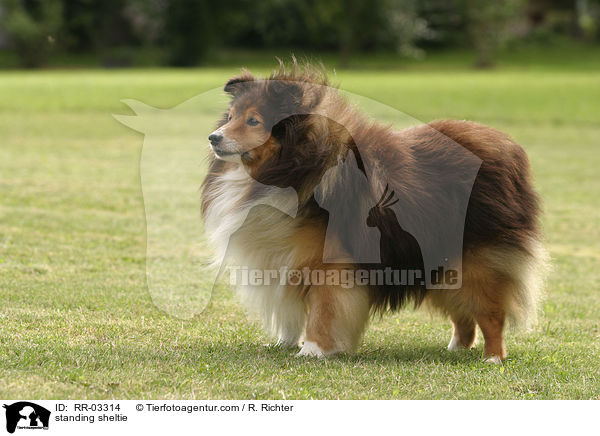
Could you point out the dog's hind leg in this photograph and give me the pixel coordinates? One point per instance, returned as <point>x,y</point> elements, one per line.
<point>336,320</point>
<point>457,304</point>
<point>491,325</point>
<point>464,331</point>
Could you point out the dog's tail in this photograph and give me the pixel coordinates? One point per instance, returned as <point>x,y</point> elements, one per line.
<point>528,268</point>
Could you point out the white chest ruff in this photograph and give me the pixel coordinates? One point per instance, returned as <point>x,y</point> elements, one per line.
<point>260,241</point>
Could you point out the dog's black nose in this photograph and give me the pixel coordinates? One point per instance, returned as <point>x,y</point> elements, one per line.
<point>215,138</point>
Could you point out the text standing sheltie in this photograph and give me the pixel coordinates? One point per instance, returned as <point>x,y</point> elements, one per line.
<point>277,134</point>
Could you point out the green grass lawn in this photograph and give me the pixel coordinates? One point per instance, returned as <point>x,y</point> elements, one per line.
<point>76,317</point>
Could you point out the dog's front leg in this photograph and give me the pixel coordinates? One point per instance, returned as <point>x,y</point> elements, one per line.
<point>336,320</point>
<point>291,321</point>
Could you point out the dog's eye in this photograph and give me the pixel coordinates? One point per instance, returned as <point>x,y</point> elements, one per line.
<point>229,117</point>
<point>252,121</point>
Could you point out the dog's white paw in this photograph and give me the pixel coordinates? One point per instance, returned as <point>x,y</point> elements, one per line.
<point>455,344</point>
<point>286,342</point>
<point>310,349</point>
<point>494,360</point>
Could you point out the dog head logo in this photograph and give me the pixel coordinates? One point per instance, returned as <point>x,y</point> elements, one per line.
<point>26,415</point>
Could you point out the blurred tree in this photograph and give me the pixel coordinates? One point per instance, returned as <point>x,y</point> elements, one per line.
<point>380,25</point>
<point>346,26</point>
<point>79,25</point>
<point>190,27</point>
<point>186,30</point>
<point>353,26</point>
<point>146,18</point>
<point>100,26</point>
<point>282,23</point>
<point>588,17</point>
<point>445,22</point>
<point>407,27</point>
<point>31,26</point>
<point>488,23</point>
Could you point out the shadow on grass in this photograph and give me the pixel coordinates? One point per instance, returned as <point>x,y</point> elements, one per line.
<point>418,354</point>
<point>380,355</point>
<point>234,356</point>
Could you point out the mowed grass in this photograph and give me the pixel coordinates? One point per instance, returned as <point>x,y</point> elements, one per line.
<point>76,317</point>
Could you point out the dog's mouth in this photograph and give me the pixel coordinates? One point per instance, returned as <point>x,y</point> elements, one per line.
<point>225,154</point>
<point>231,156</point>
<point>221,153</point>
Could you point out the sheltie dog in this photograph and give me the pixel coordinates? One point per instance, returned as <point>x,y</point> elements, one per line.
<point>293,131</point>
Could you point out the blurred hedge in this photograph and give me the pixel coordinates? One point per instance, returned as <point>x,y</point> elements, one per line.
<point>186,32</point>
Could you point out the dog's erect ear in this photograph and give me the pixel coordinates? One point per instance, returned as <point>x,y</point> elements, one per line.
<point>236,83</point>
<point>286,92</point>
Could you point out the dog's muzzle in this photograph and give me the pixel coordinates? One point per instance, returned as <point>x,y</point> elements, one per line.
<point>222,149</point>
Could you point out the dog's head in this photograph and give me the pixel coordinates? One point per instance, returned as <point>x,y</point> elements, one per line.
<point>253,130</point>
<point>243,127</point>
<point>280,128</point>
<point>271,117</point>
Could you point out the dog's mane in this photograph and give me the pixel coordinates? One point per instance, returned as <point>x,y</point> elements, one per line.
<point>301,72</point>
